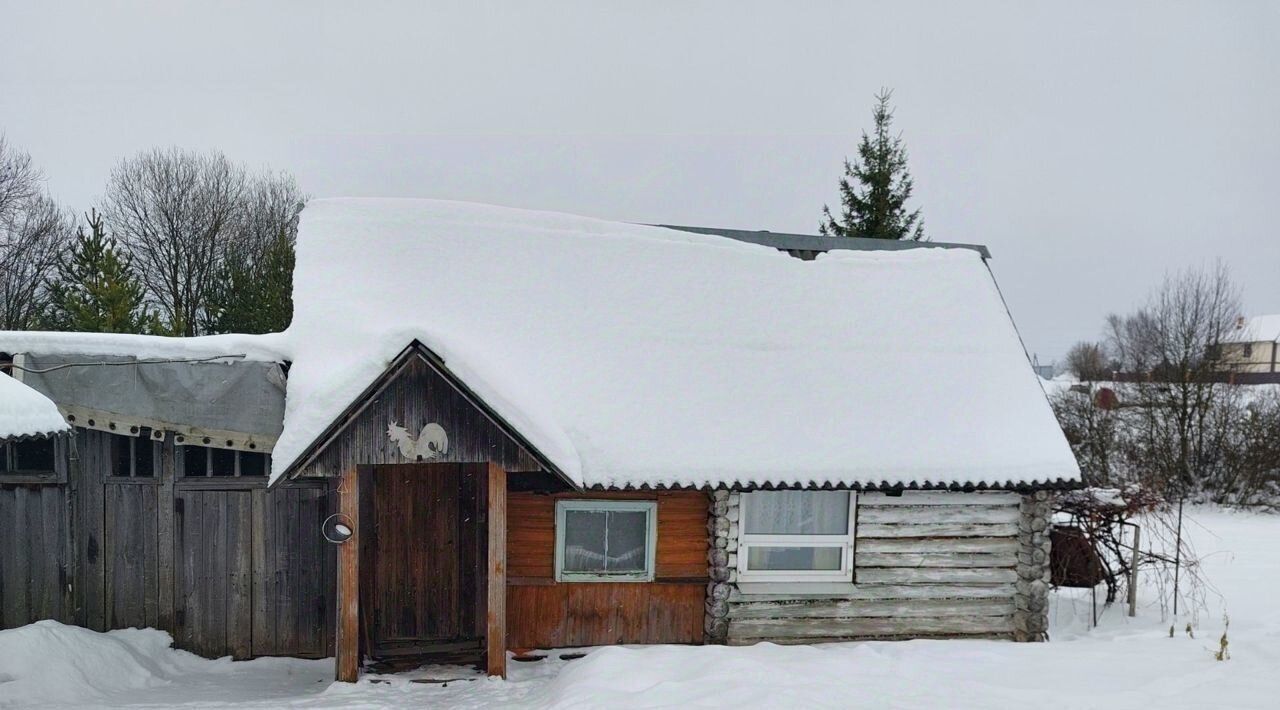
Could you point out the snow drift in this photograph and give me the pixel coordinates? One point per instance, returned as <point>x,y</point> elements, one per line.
<point>49,662</point>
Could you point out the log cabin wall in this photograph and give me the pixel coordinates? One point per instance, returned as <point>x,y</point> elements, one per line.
<point>926,564</point>
<point>544,613</point>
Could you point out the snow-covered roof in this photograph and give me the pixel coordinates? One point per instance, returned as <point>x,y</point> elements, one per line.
<point>638,355</point>
<point>1256,329</point>
<point>269,348</point>
<point>25,412</point>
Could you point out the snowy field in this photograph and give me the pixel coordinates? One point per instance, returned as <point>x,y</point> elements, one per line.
<point>1125,663</point>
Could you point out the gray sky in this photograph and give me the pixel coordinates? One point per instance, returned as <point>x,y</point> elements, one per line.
<point>1093,147</point>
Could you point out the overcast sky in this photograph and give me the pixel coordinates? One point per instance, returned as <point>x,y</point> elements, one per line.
<point>1092,147</point>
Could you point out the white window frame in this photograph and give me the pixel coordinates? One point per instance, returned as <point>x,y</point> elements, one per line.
<point>845,542</point>
<point>649,507</point>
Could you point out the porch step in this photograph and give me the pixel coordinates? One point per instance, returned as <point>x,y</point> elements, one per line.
<point>403,655</point>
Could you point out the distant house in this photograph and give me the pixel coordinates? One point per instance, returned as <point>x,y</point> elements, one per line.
<point>528,430</point>
<point>1253,346</point>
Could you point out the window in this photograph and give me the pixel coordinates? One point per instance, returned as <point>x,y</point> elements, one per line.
<point>796,536</point>
<point>33,456</point>
<point>208,462</point>
<point>133,456</point>
<point>1248,351</point>
<point>605,540</point>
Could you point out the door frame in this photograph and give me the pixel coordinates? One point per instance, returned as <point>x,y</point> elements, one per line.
<point>355,501</point>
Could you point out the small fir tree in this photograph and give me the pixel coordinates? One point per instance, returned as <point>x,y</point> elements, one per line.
<point>94,287</point>
<point>253,293</point>
<point>875,188</point>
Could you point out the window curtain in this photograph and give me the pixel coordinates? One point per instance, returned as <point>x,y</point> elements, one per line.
<point>796,512</point>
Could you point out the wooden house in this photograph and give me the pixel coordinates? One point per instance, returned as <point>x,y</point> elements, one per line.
<point>490,430</point>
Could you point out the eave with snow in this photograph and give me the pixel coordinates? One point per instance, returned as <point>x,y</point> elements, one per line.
<point>523,378</point>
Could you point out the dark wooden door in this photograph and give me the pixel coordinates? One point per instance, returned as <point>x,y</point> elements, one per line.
<point>425,568</point>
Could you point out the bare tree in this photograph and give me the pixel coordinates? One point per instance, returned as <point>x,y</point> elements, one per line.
<point>1088,362</point>
<point>175,211</point>
<point>1170,347</point>
<point>19,179</point>
<point>33,230</point>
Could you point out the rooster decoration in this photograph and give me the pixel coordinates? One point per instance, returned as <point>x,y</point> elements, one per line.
<point>429,444</point>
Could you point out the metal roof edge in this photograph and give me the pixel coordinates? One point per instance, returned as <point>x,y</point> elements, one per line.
<point>815,242</point>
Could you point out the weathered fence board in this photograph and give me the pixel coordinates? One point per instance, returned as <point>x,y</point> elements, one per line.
<point>88,528</point>
<point>33,560</point>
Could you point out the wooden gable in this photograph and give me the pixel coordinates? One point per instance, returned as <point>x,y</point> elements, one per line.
<point>415,392</point>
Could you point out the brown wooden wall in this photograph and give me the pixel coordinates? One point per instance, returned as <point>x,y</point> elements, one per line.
<point>543,613</point>
<point>413,397</point>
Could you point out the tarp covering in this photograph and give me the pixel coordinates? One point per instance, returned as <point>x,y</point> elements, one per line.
<point>245,397</point>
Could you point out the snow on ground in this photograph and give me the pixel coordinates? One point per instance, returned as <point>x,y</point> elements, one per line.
<point>1124,663</point>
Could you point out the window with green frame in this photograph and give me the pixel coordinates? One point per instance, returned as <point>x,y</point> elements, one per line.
<point>606,540</point>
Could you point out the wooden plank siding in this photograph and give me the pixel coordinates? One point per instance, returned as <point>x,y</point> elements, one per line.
<point>236,570</point>
<point>413,397</point>
<point>937,564</point>
<point>544,613</point>
<point>33,555</point>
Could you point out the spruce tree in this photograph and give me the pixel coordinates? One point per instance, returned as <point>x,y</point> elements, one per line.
<point>253,292</point>
<point>94,287</point>
<point>875,188</point>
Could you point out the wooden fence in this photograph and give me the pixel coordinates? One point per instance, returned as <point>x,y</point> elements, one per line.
<point>223,564</point>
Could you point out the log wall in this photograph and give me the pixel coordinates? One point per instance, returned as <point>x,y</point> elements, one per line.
<point>926,564</point>
<point>544,613</point>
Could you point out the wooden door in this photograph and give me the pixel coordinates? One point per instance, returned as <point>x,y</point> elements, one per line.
<point>213,572</point>
<point>425,562</point>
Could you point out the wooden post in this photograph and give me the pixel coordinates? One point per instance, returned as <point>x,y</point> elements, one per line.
<point>347,647</point>
<point>496,634</point>
<point>1133,574</point>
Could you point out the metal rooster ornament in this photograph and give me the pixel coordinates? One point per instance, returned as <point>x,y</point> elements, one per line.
<point>429,444</point>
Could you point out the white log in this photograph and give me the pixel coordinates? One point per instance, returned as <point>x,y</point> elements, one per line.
<point>940,498</point>
<point>847,609</point>
<point>874,530</point>
<point>770,629</point>
<point>989,545</point>
<point>780,591</point>
<point>912,514</point>
<point>928,575</point>
<point>933,559</point>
